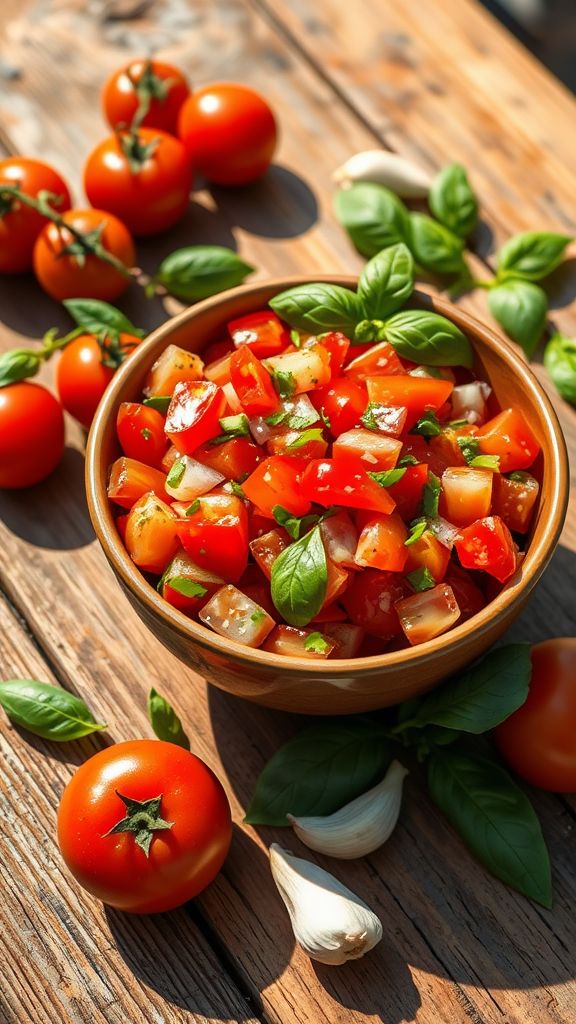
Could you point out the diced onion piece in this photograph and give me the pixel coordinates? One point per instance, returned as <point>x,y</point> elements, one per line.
<point>347,638</point>
<point>444,531</point>
<point>377,451</point>
<point>514,499</point>
<point>182,565</point>
<point>466,494</point>
<point>309,368</point>
<point>218,371</point>
<point>265,549</point>
<point>291,643</point>
<point>237,617</point>
<point>231,397</point>
<point>469,402</point>
<point>336,582</point>
<point>428,614</point>
<point>196,479</point>
<point>340,538</point>
<point>172,366</point>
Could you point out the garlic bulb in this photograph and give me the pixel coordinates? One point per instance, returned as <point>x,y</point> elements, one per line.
<point>330,923</point>
<point>359,827</point>
<point>403,177</point>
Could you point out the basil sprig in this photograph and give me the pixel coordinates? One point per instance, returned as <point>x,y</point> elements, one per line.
<point>560,361</point>
<point>47,711</point>
<point>386,282</point>
<point>520,307</point>
<point>299,579</point>
<point>165,722</point>
<point>198,271</point>
<point>373,216</point>
<point>452,200</point>
<point>319,307</point>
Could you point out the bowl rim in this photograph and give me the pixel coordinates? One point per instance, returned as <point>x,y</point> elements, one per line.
<point>515,591</point>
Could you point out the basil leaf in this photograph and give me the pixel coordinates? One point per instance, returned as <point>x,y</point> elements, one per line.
<point>469,446</point>
<point>417,530</point>
<point>18,364</point>
<point>176,472</point>
<point>428,425</point>
<point>495,819</point>
<point>452,200</point>
<point>294,525</point>
<point>95,317</point>
<point>560,361</point>
<point>159,402</point>
<point>165,722</point>
<point>421,579</point>
<point>319,770</point>
<point>531,255</point>
<point>316,643</point>
<point>299,578</point>
<point>319,307</point>
<point>184,585</point>
<point>373,216</point>
<point>520,308</point>
<point>483,696</point>
<point>428,338</point>
<point>314,434</point>
<point>486,462</point>
<point>431,495</point>
<point>387,477</point>
<point>284,383</point>
<point>46,710</point>
<point>386,282</point>
<point>434,246</point>
<point>199,271</point>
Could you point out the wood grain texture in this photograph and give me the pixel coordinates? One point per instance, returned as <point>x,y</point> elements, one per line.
<point>458,947</point>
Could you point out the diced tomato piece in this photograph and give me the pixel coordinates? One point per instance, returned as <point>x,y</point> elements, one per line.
<point>121,522</point>
<point>378,360</point>
<point>514,499</point>
<point>219,371</point>
<point>344,481</point>
<point>173,366</point>
<point>194,414</point>
<point>341,403</point>
<point>417,394</point>
<point>377,451</point>
<point>330,613</point>
<point>340,539</point>
<point>370,598</point>
<point>291,643</point>
<point>140,431</point>
<point>151,539</point>
<point>258,524</point>
<point>487,544</point>
<point>217,350</point>
<point>278,481</point>
<point>428,614</point>
<point>420,450</point>
<point>337,346</point>
<point>216,536</point>
<point>130,479</point>
<point>293,442</point>
<point>381,542</point>
<point>263,332</point>
<point>178,584</point>
<point>265,549</point>
<point>470,598</point>
<point>234,459</point>
<point>254,584</point>
<point>252,383</point>
<point>347,638</point>
<point>446,446</point>
<point>509,436</point>
<point>466,494</point>
<point>168,460</point>
<point>408,491</point>
<point>307,368</point>
<point>237,617</point>
<point>336,582</point>
<point>428,553</point>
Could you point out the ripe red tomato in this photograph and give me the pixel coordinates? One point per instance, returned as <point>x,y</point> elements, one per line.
<point>342,402</point>
<point>82,376</point>
<point>165,84</point>
<point>229,131</point>
<point>143,178</point>
<point>31,434</point>
<point>537,741</point>
<point>141,434</point>
<point>68,276</point>
<point>20,225</point>
<point>144,826</point>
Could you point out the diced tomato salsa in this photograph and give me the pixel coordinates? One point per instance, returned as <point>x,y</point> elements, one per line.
<point>294,469</point>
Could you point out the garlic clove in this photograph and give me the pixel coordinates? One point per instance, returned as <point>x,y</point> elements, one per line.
<point>403,177</point>
<point>330,923</point>
<point>359,827</point>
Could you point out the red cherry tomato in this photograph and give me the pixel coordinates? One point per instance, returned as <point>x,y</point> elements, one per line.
<point>69,276</point>
<point>194,413</point>
<point>141,434</point>
<point>235,459</point>
<point>130,480</point>
<point>31,434</point>
<point>82,375</point>
<point>143,178</point>
<point>166,86</point>
<point>184,820</point>
<point>229,131</point>
<point>342,402</point>
<point>20,225</point>
<point>537,740</point>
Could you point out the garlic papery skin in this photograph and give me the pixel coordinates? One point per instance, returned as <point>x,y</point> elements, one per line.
<point>359,827</point>
<point>330,923</point>
<point>403,177</point>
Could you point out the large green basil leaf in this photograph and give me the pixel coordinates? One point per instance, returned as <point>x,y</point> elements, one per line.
<point>199,271</point>
<point>319,307</point>
<point>46,710</point>
<point>320,770</point>
<point>373,216</point>
<point>386,282</point>
<point>495,819</point>
<point>452,200</point>
<point>531,255</point>
<point>428,338</point>
<point>96,317</point>
<point>299,579</point>
<point>520,307</point>
<point>560,361</point>
<point>164,720</point>
<point>434,246</point>
<point>18,364</point>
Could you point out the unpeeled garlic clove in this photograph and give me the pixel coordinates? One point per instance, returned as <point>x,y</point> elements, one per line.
<point>330,923</point>
<point>403,177</point>
<point>359,827</point>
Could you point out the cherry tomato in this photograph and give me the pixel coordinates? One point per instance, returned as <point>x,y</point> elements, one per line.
<point>194,413</point>
<point>144,826</point>
<point>68,276</point>
<point>166,86</point>
<point>344,481</point>
<point>514,498</point>
<point>31,434</point>
<point>381,541</point>
<point>82,374</point>
<point>143,178</point>
<point>342,402</point>
<point>537,740</point>
<point>369,601</point>
<point>252,383</point>
<point>336,345</point>
<point>141,434</point>
<point>20,225</point>
<point>229,131</point>
<point>151,539</point>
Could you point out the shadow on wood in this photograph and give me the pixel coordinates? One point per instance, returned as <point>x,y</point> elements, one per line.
<point>280,205</point>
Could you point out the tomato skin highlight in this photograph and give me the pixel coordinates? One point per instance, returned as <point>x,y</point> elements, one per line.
<point>263,333</point>
<point>120,99</point>
<point>31,434</point>
<point>193,415</point>
<point>344,481</point>
<point>182,860</point>
<point>82,378</point>
<point>537,740</point>
<point>21,225</point>
<point>487,544</point>
<point>63,277</point>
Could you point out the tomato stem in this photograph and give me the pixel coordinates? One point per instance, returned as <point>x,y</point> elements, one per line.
<point>142,819</point>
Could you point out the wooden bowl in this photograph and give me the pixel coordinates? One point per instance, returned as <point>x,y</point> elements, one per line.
<point>339,686</point>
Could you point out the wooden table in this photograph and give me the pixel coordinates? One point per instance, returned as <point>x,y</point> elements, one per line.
<point>437,82</point>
